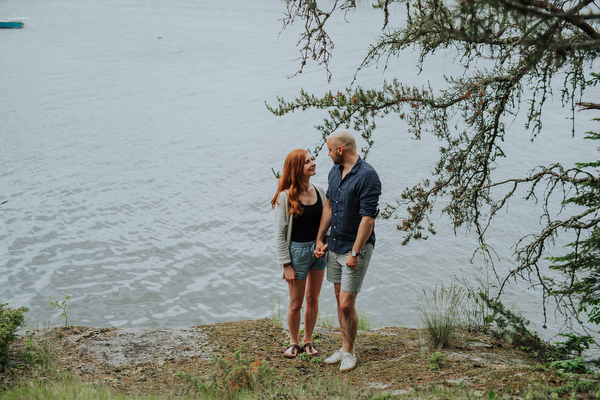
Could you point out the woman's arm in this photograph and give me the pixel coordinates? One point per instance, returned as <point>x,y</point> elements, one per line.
<point>282,221</point>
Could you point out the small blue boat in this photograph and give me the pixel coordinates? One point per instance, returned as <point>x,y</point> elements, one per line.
<point>11,24</point>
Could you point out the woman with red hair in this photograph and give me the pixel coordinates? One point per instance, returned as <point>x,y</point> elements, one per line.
<point>298,205</point>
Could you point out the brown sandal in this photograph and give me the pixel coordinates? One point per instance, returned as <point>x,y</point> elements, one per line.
<point>295,351</point>
<point>310,349</point>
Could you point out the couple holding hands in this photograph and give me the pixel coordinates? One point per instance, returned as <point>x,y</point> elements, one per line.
<point>331,230</point>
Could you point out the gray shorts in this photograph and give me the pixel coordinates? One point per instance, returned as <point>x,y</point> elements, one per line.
<point>303,259</point>
<point>351,279</point>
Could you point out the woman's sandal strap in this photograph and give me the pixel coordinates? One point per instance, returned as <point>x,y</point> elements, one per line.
<point>293,347</point>
<point>310,349</point>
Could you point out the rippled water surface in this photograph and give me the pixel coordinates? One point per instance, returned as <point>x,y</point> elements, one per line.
<point>136,160</point>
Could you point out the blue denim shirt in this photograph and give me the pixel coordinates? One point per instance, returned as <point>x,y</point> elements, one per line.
<point>351,199</point>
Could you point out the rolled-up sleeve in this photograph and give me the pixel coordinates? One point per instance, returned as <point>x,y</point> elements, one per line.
<point>369,195</point>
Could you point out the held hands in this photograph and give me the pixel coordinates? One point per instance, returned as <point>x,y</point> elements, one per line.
<point>321,249</point>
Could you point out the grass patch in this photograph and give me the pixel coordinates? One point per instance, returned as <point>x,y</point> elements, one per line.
<point>243,360</point>
<point>60,389</point>
<point>327,320</point>
<point>365,322</point>
<point>439,314</point>
<point>276,311</point>
<point>39,350</point>
<point>325,386</point>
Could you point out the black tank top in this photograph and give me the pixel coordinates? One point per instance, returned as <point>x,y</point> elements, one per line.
<point>306,226</point>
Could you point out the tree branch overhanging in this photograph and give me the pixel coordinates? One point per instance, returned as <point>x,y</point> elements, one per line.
<point>529,43</point>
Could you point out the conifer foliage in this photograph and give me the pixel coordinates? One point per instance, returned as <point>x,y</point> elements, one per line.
<point>532,47</point>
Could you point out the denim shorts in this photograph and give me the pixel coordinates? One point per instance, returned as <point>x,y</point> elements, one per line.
<point>304,260</point>
<point>351,279</point>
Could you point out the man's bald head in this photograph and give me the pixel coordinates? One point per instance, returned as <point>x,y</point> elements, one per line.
<point>342,148</point>
<point>344,138</point>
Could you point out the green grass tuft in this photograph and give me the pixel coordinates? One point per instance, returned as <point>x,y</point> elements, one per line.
<point>439,314</point>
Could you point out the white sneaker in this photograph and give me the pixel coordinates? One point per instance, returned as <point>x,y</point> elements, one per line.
<point>348,362</point>
<point>335,357</point>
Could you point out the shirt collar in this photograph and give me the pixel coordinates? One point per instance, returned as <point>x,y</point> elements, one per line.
<point>354,168</point>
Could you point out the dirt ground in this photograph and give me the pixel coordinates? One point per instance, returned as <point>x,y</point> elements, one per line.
<point>393,359</point>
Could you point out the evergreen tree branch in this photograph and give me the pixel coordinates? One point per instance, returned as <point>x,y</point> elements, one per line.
<point>528,43</point>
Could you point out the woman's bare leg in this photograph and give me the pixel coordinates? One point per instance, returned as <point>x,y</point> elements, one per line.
<point>313,291</point>
<point>294,309</point>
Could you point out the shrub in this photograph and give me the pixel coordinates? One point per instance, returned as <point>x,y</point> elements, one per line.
<point>10,320</point>
<point>438,313</point>
<point>576,365</point>
<point>234,373</point>
<point>435,361</point>
<point>62,306</point>
<point>512,328</point>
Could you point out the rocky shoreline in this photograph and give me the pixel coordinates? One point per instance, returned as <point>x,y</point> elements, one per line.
<point>391,359</point>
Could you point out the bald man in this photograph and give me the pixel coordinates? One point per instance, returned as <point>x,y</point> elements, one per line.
<point>349,210</point>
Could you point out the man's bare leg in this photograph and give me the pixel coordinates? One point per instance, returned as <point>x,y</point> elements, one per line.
<point>349,320</point>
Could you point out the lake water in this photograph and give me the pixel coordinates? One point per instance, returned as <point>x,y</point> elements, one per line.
<point>136,159</point>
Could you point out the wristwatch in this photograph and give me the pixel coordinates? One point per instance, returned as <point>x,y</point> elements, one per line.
<point>353,253</point>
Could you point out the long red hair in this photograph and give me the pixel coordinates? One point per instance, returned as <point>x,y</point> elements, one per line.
<point>290,180</point>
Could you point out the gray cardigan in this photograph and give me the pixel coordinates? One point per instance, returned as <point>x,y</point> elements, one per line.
<point>283,226</point>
